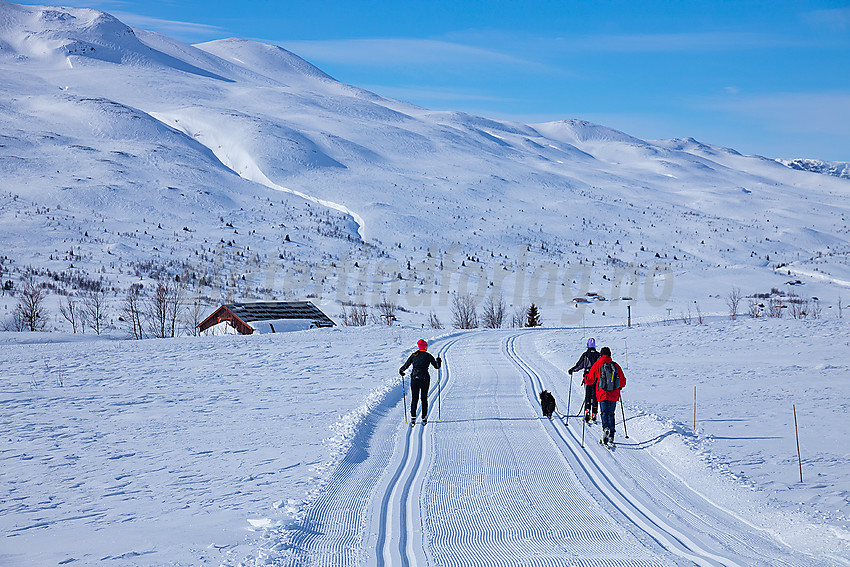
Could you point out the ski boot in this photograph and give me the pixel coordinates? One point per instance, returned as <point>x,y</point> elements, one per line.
<point>587,416</point>
<point>412,421</point>
<point>607,437</point>
<point>594,418</point>
<point>424,421</point>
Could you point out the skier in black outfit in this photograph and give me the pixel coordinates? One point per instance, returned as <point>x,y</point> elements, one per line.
<point>420,380</point>
<point>588,358</point>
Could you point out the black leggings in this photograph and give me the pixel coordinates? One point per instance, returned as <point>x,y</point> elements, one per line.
<point>419,388</point>
<point>590,398</point>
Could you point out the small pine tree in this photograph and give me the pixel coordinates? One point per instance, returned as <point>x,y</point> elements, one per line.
<point>532,317</point>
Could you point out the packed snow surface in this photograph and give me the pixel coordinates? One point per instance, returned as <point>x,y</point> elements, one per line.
<point>292,449</point>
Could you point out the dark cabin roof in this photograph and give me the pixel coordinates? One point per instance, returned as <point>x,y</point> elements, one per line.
<point>270,310</point>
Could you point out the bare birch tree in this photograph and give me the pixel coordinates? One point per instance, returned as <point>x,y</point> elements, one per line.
<point>493,312</point>
<point>71,310</point>
<point>164,309</point>
<point>464,314</point>
<point>195,315</point>
<point>96,310</point>
<point>132,311</point>
<point>30,310</point>
<point>732,301</point>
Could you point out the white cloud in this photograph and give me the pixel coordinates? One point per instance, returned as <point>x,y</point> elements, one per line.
<point>404,52</point>
<point>169,27</point>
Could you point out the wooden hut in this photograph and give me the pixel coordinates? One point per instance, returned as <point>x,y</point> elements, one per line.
<point>264,317</point>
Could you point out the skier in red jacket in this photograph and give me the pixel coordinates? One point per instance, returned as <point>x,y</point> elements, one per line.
<point>606,377</point>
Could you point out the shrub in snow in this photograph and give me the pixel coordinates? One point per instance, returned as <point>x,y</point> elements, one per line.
<point>464,313</point>
<point>30,310</point>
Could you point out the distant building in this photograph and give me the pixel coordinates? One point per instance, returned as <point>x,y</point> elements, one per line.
<point>264,317</point>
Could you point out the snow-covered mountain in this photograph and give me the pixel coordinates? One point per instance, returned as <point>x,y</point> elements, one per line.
<point>836,168</point>
<point>247,171</point>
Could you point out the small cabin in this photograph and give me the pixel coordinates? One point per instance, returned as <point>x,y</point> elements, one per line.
<point>264,317</point>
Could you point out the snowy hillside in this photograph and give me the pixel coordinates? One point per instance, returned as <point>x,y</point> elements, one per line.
<point>127,155</point>
<point>838,169</point>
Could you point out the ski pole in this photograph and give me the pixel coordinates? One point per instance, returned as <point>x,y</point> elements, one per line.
<point>569,397</point>
<point>583,422</point>
<point>439,389</point>
<point>404,393</point>
<point>625,429</point>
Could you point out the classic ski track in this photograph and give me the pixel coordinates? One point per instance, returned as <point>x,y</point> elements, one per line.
<point>632,506</point>
<point>603,479</point>
<point>401,492</point>
<point>334,530</point>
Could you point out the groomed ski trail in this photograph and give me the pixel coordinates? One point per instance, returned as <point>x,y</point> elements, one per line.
<point>496,484</point>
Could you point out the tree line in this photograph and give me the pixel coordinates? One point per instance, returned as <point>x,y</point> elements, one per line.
<point>165,313</point>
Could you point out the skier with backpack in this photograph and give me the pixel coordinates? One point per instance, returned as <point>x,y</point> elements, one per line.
<point>609,379</point>
<point>420,379</point>
<point>588,358</point>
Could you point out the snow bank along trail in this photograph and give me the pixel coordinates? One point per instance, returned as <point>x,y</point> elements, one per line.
<point>494,483</point>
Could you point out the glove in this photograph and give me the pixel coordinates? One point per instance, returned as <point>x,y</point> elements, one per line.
<point>400,371</point>
<point>570,372</point>
<point>439,360</point>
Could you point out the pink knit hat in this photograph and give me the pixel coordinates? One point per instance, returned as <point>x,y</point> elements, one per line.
<point>422,344</point>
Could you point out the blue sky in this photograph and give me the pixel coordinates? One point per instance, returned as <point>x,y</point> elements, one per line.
<point>763,77</point>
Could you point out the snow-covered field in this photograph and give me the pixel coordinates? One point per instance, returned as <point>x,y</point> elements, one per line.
<point>225,449</point>
<point>160,451</point>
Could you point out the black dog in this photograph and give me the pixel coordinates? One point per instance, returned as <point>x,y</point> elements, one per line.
<point>547,403</point>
